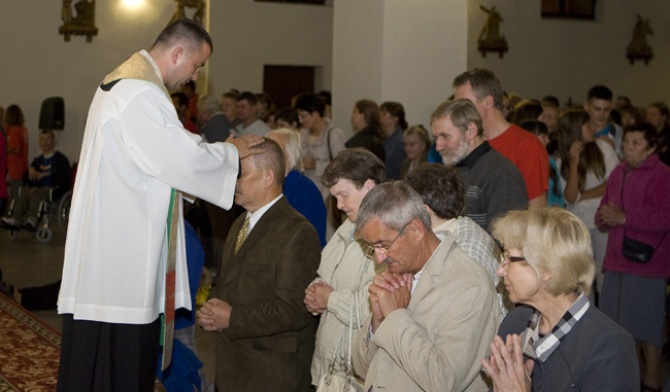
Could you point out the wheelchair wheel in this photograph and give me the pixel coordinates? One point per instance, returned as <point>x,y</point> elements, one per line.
<point>63,211</point>
<point>43,234</point>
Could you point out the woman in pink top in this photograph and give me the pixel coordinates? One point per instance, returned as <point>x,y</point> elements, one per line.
<point>635,207</point>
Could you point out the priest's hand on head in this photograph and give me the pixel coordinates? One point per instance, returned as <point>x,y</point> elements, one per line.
<point>246,145</point>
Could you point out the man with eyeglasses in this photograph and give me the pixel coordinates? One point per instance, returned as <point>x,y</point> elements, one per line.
<point>433,310</point>
<point>443,193</point>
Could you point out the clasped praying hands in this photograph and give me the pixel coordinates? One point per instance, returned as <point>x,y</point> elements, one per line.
<point>316,296</point>
<point>388,292</point>
<point>506,366</point>
<point>214,315</point>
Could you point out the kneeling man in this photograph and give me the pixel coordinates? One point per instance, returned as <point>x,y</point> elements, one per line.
<point>432,310</point>
<point>265,336</point>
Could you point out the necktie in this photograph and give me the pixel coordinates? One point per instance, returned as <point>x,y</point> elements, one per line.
<point>242,235</point>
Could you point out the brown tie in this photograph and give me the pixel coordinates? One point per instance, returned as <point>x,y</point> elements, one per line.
<point>242,235</point>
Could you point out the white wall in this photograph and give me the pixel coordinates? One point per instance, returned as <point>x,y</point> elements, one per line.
<point>421,50</point>
<point>566,57</point>
<point>357,56</point>
<point>425,42</point>
<point>37,63</point>
<point>248,35</point>
<point>397,50</point>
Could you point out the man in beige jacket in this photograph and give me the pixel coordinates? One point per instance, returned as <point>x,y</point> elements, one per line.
<point>434,310</point>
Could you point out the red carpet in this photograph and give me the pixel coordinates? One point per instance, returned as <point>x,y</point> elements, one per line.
<point>29,350</point>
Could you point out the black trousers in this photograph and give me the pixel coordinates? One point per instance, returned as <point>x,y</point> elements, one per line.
<point>106,357</point>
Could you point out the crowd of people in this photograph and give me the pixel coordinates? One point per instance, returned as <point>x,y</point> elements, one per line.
<point>512,244</point>
<point>506,219</point>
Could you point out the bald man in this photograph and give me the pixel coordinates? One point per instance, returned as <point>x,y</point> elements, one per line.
<point>265,336</point>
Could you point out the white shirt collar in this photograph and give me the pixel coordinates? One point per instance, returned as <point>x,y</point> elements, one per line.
<point>255,216</point>
<point>417,276</point>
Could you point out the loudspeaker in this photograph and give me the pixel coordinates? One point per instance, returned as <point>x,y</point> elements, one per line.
<point>52,114</point>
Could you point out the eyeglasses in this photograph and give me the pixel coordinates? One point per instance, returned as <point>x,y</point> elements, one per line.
<point>505,258</point>
<point>303,115</point>
<point>381,248</point>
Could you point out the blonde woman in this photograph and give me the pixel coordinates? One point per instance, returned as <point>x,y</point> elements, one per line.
<point>555,340</point>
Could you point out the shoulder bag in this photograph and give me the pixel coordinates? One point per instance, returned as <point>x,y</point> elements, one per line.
<point>343,380</point>
<point>634,250</point>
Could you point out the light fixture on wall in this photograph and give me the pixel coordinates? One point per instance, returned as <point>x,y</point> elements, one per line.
<point>83,23</point>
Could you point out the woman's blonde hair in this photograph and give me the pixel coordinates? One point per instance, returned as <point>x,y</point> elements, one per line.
<point>291,147</point>
<point>554,241</point>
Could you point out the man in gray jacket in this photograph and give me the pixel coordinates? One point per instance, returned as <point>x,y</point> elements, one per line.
<point>433,310</point>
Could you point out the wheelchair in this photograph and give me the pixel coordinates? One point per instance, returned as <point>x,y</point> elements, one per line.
<point>49,210</point>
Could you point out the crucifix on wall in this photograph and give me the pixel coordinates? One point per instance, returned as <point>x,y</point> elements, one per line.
<point>199,13</point>
<point>490,39</point>
<point>82,22</point>
<point>639,49</point>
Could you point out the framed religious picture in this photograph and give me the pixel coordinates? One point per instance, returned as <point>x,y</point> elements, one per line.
<point>578,9</point>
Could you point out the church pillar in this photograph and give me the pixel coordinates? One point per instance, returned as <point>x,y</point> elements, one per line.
<point>397,50</point>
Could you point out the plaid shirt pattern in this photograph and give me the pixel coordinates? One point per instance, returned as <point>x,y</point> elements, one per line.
<point>541,348</point>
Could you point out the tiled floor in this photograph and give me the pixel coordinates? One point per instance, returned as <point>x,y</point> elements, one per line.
<point>25,262</point>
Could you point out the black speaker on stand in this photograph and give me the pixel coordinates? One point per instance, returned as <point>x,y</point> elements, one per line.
<point>52,114</point>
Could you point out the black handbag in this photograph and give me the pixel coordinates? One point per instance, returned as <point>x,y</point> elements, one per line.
<point>634,250</point>
<point>637,251</point>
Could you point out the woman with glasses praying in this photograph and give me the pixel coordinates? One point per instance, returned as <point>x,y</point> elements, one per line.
<point>555,340</point>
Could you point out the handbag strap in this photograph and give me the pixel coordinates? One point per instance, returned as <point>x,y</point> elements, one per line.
<point>354,304</point>
<point>353,309</point>
<point>623,184</point>
<point>330,152</point>
<point>331,365</point>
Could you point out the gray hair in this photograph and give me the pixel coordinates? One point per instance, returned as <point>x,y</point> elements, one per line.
<point>484,83</point>
<point>272,159</point>
<point>209,104</point>
<point>395,204</point>
<point>291,147</point>
<point>462,113</point>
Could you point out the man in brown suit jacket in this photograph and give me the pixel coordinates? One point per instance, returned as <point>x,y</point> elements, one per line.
<point>265,336</point>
